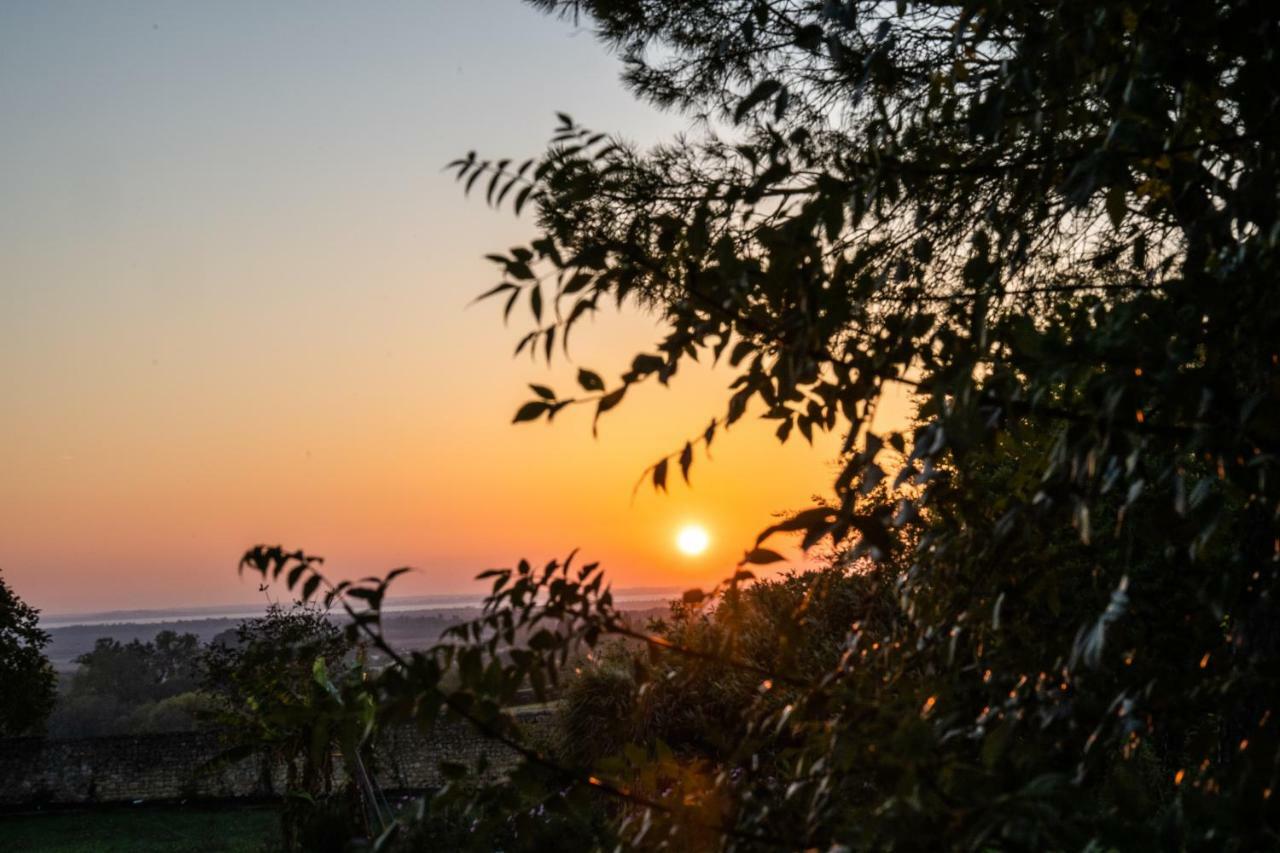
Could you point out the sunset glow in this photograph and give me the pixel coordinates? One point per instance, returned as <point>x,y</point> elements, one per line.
<point>692,540</point>
<point>229,344</point>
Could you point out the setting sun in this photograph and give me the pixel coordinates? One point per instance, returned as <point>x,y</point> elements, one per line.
<point>692,539</point>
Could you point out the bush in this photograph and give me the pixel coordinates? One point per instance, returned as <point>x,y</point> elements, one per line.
<point>132,688</point>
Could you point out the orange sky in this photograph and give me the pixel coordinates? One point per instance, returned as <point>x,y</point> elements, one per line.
<point>233,289</point>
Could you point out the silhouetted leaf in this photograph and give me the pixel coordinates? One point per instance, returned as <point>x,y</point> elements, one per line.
<point>530,411</point>
<point>686,459</point>
<point>762,92</point>
<point>660,475</point>
<point>608,401</point>
<point>535,302</point>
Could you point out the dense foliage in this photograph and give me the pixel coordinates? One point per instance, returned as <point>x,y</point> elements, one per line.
<point>27,677</point>
<point>281,690</point>
<point>132,688</point>
<point>1057,224</point>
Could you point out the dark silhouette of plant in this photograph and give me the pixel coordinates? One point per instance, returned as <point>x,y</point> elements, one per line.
<point>283,691</point>
<point>29,682</point>
<point>1056,223</point>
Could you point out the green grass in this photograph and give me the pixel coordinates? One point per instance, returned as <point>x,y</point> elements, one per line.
<point>143,830</point>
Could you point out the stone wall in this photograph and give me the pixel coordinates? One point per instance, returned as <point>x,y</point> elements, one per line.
<point>192,765</point>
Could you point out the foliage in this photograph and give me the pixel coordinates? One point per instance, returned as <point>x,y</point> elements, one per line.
<point>28,677</point>
<point>693,704</point>
<point>165,667</point>
<point>1057,224</point>
<point>134,687</point>
<point>79,713</point>
<point>287,688</point>
<point>467,817</point>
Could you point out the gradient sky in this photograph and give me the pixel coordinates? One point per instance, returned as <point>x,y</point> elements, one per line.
<point>233,309</point>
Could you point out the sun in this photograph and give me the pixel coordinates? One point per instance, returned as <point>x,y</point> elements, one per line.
<point>692,539</point>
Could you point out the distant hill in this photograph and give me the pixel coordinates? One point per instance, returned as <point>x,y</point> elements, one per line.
<point>405,628</point>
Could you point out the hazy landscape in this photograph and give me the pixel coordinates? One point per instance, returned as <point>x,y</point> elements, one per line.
<point>412,623</point>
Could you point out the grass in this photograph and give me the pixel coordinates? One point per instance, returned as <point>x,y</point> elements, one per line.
<point>233,829</point>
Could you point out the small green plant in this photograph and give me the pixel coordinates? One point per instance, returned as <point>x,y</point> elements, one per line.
<point>288,689</point>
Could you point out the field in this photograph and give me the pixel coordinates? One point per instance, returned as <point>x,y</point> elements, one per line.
<point>143,830</point>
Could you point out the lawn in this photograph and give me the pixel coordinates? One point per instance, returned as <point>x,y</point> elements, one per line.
<point>142,830</point>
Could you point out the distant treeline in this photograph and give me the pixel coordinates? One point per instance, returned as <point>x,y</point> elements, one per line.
<point>131,688</point>
<point>138,678</point>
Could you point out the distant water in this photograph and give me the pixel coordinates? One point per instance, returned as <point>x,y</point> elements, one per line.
<point>249,611</point>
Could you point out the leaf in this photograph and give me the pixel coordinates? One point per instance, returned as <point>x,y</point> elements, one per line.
<point>810,519</point>
<point>543,391</point>
<point>994,744</point>
<point>493,183</point>
<point>494,291</point>
<point>809,37</point>
<point>511,301</point>
<point>762,92</point>
<point>922,250</point>
<point>645,363</point>
<point>497,202</point>
<point>522,197</point>
<point>686,459</point>
<point>1140,251</point>
<point>607,402</point>
<point>660,475</point>
<point>590,381</point>
<point>530,411</point>
<point>871,477</point>
<point>1116,209</point>
<point>475,177</point>
<point>762,556</point>
<point>833,217</point>
<point>535,302</point>
<point>579,281</point>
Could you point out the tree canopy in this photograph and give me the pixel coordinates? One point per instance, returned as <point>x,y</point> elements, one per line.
<point>126,688</point>
<point>1056,223</point>
<point>138,671</point>
<point>28,677</point>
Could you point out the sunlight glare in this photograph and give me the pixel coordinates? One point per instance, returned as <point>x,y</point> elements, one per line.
<point>692,539</point>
